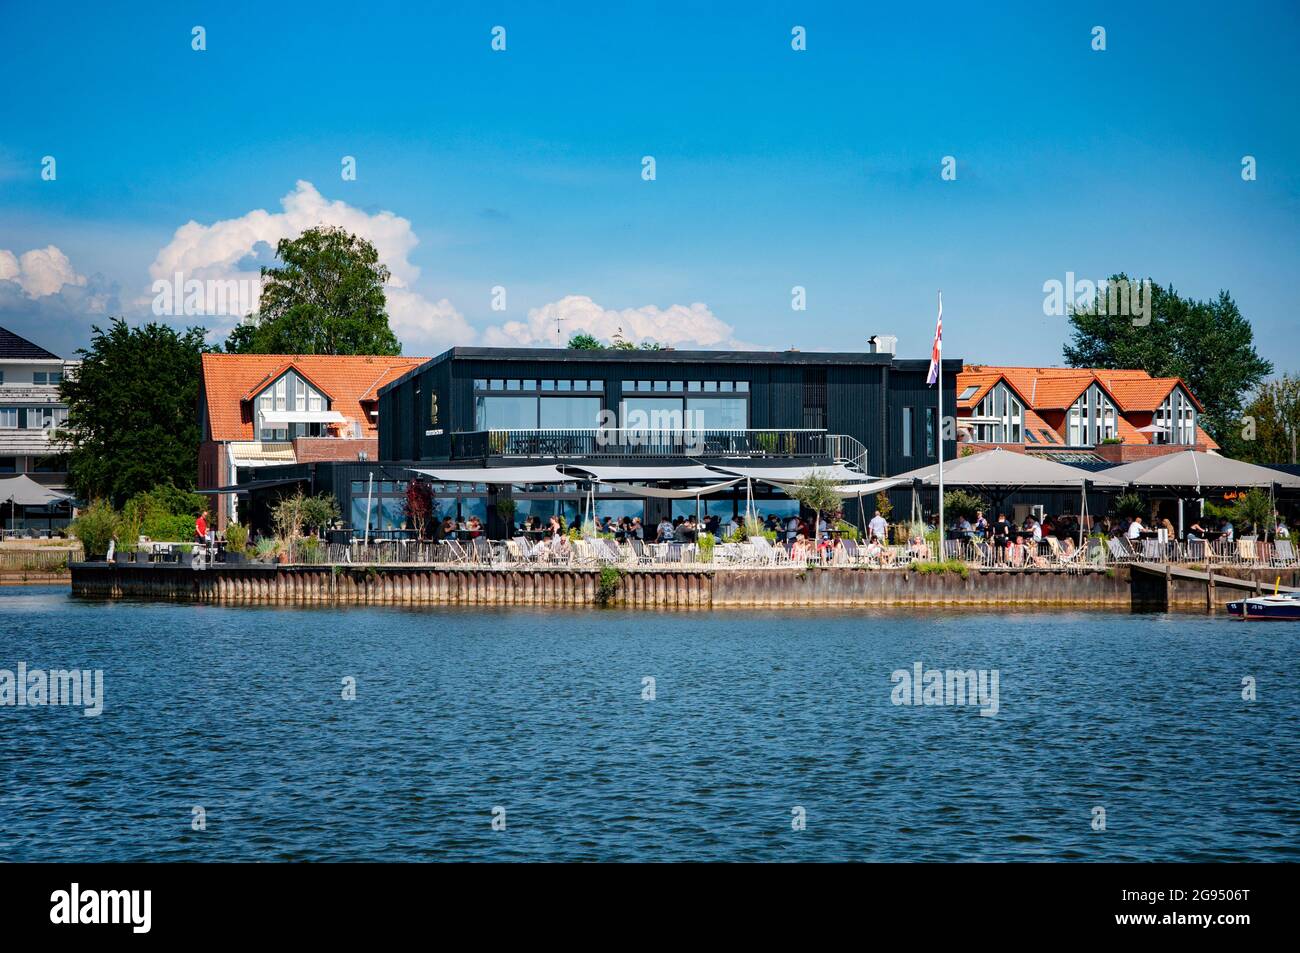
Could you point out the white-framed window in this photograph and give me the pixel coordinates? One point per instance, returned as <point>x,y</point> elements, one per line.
<point>1001,417</point>
<point>9,417</point>
<point>1092,418</point>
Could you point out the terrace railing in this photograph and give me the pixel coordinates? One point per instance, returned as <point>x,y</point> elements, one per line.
<point>624,443</point>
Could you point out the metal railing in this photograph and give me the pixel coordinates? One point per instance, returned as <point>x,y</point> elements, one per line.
<point>598,442</point>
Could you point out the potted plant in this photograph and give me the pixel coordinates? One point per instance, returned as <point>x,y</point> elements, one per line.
<point>236,543</point>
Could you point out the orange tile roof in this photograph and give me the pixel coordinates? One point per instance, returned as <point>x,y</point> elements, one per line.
<point>1056,388</point>
<point>227,380</point>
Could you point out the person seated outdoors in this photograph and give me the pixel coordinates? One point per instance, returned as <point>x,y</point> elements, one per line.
<point>1134,529</point>
<point>1228,530</point>
<point>801,551</point>
<point>1281,531</point>
<point>792,526</point>
<point>554,527</point>
<point>665,532</point>
<point>964,529</point>
<point>448,529</point>
<point>1195,532</point>
<point>981,525</point>
<point>918,547</point>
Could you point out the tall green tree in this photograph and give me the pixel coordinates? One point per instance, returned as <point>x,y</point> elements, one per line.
<point>1271,424</point>
<point>326,297</point>
<point>133,411</point>
<point>1209,344</point>
<point>582,341</point>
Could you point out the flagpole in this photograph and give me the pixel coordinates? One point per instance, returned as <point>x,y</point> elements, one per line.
<point>942,531</point>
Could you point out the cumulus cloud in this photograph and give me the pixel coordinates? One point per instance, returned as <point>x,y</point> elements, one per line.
<point>39,272</point>
<point>44,299</point>
<point>232,249</point>
<point>678,325</point>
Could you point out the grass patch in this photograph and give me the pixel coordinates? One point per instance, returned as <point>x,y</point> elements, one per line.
<point>931,566</point>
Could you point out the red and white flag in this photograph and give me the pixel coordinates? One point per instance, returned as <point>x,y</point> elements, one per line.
<point>936,349</point>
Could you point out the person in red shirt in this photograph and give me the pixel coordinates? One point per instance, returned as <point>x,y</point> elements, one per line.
<point>201,526</point>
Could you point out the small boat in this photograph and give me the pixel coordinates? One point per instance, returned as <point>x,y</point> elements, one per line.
<point>1278,606</point>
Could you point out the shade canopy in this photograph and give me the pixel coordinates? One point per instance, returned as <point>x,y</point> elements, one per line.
<point>642,474</point>
<point>836,472</point>
<point>1195,470</point>
<point>498,475</point>
<point>302,417</point>
<point>22,490</point>
<point>1004,469</point>
<point>685,494</point>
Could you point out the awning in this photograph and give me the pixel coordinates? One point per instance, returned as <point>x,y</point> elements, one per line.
<point>836,472</point>
<point>666,494</point>
<point>22,490</point>
<point>257,485</point>
<point>1004,469</point>
<point>255,453</point>
<point>1194,470</point>
<point>302,417</point>
<point>537,474</point>
<point>635,474</point>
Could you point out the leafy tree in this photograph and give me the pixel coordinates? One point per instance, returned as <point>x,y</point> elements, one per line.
<point>582,341</point>
<point>165,513</point>
<point>327,297</point>
<point>1272,427</point>
<point>1209,344</point>
<point>817,493</point>
<point>959,503</point>
<point>1254,508</point>
<point>133,411</point>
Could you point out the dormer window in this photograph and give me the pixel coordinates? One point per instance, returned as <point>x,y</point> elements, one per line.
<point>288,396</point>
<point>999,417</point>
<point>1092,418</point>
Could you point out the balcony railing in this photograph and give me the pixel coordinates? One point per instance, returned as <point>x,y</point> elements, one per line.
<point>595,442</point>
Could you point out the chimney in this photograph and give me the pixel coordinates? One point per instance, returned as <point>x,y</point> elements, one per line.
<point>882,344</point>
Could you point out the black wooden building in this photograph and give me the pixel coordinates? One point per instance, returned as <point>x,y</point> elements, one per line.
<point>472,409</point>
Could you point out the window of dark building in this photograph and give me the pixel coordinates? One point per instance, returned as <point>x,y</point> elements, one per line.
<point>929,432</point>
<point>814,398</point>
<point>907,431</point>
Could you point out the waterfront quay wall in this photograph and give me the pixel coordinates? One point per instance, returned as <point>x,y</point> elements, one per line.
<point>646,587</point>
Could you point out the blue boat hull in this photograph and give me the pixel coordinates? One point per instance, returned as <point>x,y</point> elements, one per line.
<point>1265,610</point>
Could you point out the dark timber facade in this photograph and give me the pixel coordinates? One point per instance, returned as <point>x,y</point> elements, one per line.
<point>474,408</point>
<point>489,406</point>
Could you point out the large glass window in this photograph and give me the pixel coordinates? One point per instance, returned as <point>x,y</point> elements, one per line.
<point>907,431</point>
<point>652,413</point>
<point>505,413</point>
<point>718,413</point>
<point>568,413</point>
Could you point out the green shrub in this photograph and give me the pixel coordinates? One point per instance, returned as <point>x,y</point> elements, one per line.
<point>611,577</point>
<point>267,548</point>
<point>957,503</point>
<point>929,566</point>
<point>165,513</point>
<point>237,538</point>
<point>705,544</point>
<point>1129,504</point>
<point>95,527</point>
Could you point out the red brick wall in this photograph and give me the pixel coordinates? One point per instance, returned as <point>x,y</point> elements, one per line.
<point>318,449</point>
<point>212,467</point>
<point>1131,452</point>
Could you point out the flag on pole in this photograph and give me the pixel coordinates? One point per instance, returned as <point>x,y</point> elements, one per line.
<point>936,349</point>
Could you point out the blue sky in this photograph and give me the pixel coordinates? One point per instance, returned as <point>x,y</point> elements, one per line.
<point>775,168</point>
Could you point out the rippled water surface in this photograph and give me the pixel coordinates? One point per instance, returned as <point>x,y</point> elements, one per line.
<point>239,711</point>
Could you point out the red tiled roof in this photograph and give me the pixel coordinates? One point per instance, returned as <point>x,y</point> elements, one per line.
<point>1056,388</point>
<point>228,380</point>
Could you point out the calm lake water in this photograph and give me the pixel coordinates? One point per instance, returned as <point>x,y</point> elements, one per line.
<point>239,711</point>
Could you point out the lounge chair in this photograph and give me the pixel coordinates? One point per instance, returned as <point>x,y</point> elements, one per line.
<point>1283,553</point>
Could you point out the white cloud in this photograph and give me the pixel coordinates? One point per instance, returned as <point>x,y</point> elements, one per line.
<point>678,325</point>
<point>216,251</point>
<point>39,272</point>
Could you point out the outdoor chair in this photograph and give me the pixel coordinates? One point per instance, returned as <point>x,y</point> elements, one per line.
<point>1246,551</point>
<point>639,553</point>
<point>1118,550</point>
